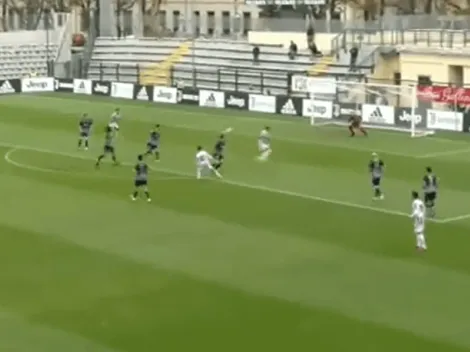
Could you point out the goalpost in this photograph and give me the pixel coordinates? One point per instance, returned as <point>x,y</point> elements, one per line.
<point>381,106</point>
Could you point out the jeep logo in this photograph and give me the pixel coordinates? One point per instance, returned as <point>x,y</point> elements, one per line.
<point>162,94</point>
<point>406,117</point>
<point>101,89</point>
<point>234,101</point>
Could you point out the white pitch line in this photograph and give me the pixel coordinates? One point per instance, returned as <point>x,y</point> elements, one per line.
<point>445,153</point>
<point>455,218</point>
<point>9,160</point>
<point>241,184</point>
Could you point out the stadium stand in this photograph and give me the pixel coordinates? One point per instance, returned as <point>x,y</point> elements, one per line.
<point>220,64</point>
<point>26,52</point>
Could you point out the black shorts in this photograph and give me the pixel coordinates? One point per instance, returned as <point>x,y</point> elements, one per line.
<point>152,147</point>
<point>430,198</point>
<point>140,183</point>
<point>219,158</point>
<point>84,134</point>
<point>108,149</point>
<point>376,181</point>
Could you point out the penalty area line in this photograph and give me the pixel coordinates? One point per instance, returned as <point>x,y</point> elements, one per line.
<point>455,219</point>
<point>444,153</point>
<point>8,158</point>
<point>187,176</point>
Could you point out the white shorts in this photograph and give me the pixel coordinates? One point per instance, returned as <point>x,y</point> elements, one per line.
<point>263,146</point>
<point>205,165</point>
<point>419,230</point>
<point>114,125</point>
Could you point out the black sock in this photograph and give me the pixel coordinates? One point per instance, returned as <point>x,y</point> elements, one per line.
<point>147,194</point>
<point>135,194</point>
<point>157,155</point>
<point>114,159</point>
<point>377,192</point>
<point>86,143</point>
<point>99,159</point>
<point>79,143</point>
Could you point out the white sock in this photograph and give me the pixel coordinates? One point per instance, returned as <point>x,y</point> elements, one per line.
<point>422,241</point>
<point>198,173</point>
<point>265,154</point>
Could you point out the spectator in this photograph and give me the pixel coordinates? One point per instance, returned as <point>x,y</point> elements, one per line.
<point>292,50</point>
<point>310,34</point>
<point>354,51</point>
<point>314,50</point>
<point>256,54</point>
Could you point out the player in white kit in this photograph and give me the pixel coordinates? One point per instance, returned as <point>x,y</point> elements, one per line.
<point>204,162</point>
<point>115,119</point>
<point>418,212</point>
<point>264,144</point>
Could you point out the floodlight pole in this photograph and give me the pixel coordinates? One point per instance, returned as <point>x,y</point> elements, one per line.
<point>193,42</point>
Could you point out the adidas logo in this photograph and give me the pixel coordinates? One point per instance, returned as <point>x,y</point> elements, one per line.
<point>142,95</point>
<point>210,101</point>
<point>288,108</point>
<point>6,88</point>
<point>376,116</point>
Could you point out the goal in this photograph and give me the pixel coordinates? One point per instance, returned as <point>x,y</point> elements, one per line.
<point>381,106</point>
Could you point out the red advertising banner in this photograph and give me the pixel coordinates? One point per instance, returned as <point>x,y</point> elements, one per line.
<point>443,94</point>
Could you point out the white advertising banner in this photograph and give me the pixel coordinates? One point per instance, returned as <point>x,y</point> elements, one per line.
<point>444,120</point>
<point>379,114</point>
<point>37,84</point>
<point>322,109</point>
<point>211,98</point>
<point>167,95</point>
<point>122,90</point>
<point>82,86</point>
<point>262,103</point>
<point>313,85</point>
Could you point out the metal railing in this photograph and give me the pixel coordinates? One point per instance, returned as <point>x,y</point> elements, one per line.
<point>437,38</point>
<point>259,80</point>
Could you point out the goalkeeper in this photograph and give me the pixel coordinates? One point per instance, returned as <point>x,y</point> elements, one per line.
<point>355,123</point>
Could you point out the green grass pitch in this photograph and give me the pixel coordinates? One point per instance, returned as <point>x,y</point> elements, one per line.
<point>288,255</point>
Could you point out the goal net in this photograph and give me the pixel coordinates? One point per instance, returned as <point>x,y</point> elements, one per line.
<point>381,106</point>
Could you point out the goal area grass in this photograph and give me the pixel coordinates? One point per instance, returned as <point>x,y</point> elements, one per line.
<point>287,255</point>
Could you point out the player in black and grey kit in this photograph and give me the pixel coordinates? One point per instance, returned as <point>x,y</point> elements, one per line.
<point>218,154</point>
<point>153,144</point>
<point>141,178</point>
<point>376,169</point>
<point>430,185</point>
<point>109,139</point>
<point>84,127</point>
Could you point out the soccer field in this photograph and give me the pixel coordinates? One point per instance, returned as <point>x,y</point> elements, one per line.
<point>288,255</point>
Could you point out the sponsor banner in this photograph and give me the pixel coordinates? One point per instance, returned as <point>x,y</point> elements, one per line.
<point>379,114</point>
<point>404,116</point>
<point>289,105</point>
<point>167,95</point>
<point>343,111</point>
<point>82,86</point>
<point>188,96</point>
<point>444,120</point>
<point>313,85</point>
<point>9,86</point>
<point>443,94</point>
<point>262,103</point>
<point>211,98</point>
<point>63,85</point>
<point>236,100</point>
<point>122,90</point>
<point>144,93</point>
<point>101,88</point>
<point>37,84</point>
<point>322,109</point>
